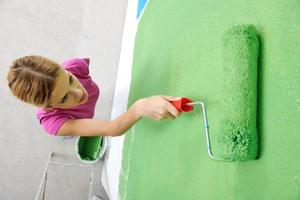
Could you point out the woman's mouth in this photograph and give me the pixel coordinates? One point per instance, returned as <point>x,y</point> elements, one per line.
<point>83,98</point>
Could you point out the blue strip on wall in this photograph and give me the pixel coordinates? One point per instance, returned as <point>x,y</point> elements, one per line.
<point>141,6</point>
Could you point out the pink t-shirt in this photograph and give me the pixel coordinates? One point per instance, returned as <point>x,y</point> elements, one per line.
<point>53,120</point>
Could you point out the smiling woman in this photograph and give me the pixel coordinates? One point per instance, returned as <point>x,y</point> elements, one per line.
<point>66,96</point>
<point>62,92</point>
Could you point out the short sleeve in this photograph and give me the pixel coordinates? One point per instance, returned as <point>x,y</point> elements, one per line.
<point>51,124</point>
<point>77,66</point>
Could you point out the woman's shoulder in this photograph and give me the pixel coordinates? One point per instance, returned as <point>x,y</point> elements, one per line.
<point>52,120</point>
<point>77,66</point>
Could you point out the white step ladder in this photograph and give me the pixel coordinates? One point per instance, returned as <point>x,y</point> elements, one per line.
<point>42,187</point>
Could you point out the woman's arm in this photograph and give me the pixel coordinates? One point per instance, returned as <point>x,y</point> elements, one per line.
<point>155,107</point>
<point>92,127</point>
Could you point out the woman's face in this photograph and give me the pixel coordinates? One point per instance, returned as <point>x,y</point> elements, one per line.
<point>68,91</point>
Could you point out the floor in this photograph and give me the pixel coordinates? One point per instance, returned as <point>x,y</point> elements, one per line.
<point>58,30</point>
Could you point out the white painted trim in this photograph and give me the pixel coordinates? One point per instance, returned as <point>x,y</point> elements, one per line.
<point>113,158</point>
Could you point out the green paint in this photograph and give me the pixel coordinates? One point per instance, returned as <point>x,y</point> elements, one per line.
<point>180,51</point>
<point>238,116</point>
<point>89,147</point>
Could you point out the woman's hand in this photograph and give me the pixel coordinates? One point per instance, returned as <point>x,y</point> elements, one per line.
<point>157,107</point>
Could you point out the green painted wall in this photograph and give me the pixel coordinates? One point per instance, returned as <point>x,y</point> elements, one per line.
<point>179,51</point>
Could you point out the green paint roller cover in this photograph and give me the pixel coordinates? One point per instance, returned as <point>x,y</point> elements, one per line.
<point>239,104</point>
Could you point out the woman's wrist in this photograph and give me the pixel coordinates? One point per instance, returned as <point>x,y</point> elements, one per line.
<point>137,108</point>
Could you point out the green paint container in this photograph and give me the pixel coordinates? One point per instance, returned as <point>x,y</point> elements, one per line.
<point>90,149</point>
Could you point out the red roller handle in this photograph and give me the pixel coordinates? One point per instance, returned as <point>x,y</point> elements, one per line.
<point>181,106</point>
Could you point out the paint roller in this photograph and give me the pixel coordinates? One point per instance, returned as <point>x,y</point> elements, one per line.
<point>238,139</point>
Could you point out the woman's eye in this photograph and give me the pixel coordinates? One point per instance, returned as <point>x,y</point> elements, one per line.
<point>64,99</point>
<point>71,79</point>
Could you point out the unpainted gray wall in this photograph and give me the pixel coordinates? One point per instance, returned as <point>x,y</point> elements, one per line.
<point>58,30</point>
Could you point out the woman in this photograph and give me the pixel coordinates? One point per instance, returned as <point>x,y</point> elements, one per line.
<point>66,97</point>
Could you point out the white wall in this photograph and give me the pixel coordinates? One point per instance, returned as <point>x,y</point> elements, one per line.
<point>58,30</point>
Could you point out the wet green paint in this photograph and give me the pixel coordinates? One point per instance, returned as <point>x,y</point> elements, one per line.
<point>179,51</point>
<point>89,147</point>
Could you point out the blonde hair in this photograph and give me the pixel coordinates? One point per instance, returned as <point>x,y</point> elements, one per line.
<point>32,78</point>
